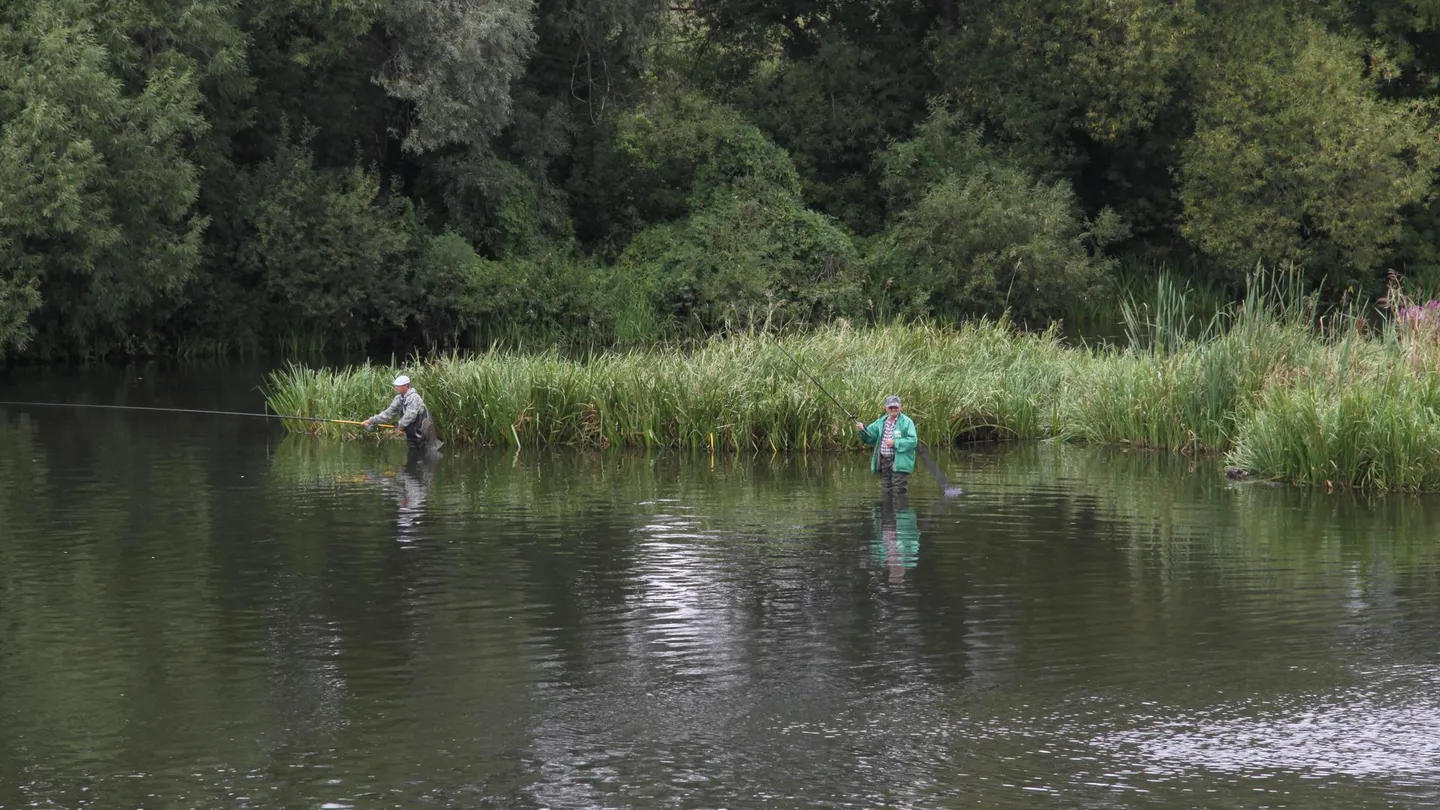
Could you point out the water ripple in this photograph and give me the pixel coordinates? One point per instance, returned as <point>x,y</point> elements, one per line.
<point>189,619</point>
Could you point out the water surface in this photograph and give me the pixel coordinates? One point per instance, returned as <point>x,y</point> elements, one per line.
<point>198,612</point>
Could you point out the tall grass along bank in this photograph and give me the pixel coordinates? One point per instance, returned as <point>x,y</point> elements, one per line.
<point>1282,401</point>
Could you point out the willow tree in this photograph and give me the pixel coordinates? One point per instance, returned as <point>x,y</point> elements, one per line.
<point>454,61</point>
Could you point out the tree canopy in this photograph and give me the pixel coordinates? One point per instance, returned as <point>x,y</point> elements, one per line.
<point>212,175</point>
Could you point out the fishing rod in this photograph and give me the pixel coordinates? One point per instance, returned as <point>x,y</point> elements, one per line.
<point>186,410</point>
<point>924,452</point>
<point>842,408</point>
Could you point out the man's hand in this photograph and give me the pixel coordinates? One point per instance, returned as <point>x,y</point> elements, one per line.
<point>889,442</point>
<point>368,425</point>
<point>400,432</point>
<point>859,425</point>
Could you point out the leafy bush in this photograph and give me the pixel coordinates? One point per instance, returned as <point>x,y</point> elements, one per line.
<point>497,205</point>
<point>976,235</point>
<point>19,296</point>
<point>745,259</point>
<point>456,288</point>
<point>671,156</point>
<point>740,247</point>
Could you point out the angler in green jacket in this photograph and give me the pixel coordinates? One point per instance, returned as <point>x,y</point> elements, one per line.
<point>895,441</point>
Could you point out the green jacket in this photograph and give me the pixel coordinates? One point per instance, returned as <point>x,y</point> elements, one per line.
<point>905,443</point>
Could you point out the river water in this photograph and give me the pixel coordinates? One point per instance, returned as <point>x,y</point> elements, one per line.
<point>197,612</point>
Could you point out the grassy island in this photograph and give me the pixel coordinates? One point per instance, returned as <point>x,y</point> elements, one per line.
<point>1280,396</point>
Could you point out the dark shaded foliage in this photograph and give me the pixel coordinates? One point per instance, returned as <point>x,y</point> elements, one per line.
<point>394,174</point>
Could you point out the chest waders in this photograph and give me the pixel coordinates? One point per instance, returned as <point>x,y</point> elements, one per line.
<point>420,429</point>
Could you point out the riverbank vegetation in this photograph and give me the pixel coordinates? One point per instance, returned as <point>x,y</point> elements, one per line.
<point>1280,392</point>
<point>214,177</point>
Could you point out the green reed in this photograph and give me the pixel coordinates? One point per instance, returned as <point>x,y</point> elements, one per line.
<point>1281,399</point>
<point>1363,413</point>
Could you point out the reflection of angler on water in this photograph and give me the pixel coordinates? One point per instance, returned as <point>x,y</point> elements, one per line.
<point>896,544</point>
<point>897,536</point>
<point>409,487</point>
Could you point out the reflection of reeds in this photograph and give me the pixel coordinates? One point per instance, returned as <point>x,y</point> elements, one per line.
<point>1258,381</point>
<point>1151,505</point>
<point>555,483</point>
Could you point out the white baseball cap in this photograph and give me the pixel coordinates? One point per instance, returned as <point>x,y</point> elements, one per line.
<point>402,380</point>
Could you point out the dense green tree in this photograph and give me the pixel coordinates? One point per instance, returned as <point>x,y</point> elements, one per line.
<point>326,256</point>
<point>1295,157</point>
<point>626,168</point>
<point>96,190</point>
<point>831,82</point>
<point>1041,71</point>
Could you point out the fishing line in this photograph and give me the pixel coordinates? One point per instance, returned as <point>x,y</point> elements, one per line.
<point>181,410</point>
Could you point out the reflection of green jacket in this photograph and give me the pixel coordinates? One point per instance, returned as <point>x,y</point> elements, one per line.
<point>897,537</point>
<point>905,443</point>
